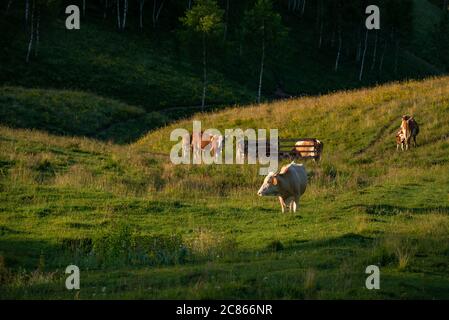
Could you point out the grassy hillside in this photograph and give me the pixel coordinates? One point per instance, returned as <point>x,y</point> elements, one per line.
<point>74,113</point>
<point>132,68</point>
<point>140,227</point>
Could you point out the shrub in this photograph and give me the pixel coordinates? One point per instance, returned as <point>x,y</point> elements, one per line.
<point>275,246</point>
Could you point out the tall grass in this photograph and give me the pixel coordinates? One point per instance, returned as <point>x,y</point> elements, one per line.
<point>119,206</point>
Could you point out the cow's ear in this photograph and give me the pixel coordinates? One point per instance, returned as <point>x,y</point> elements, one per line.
<point>275,181</point>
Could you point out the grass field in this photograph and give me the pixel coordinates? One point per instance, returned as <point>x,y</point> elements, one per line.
<point>140,227</point>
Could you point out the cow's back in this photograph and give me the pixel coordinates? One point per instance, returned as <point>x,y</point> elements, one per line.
<point>296,176</point>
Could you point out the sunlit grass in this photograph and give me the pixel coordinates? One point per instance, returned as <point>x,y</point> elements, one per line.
<point>200,231</point>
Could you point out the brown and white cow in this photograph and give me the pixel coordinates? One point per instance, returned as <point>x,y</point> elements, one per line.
<point>289,184</point>
<point>410,129</point>
<point>201,142</point>
<point>400,139</point>
<point>309,148</point>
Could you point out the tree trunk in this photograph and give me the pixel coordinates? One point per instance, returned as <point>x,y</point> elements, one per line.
<point>30,43</point>
<point>157,12</point>
<point>363,56</point>
<point>154,14</point>
<point>203,99</point>
<point>319,23</point>
<point>105,9</point>
<point>84,8</point>
<point>226,21</point>
<point>141,3</point>
<point>262,61</point>
<point>27,11</point>
<point>321,35</point>
<point>375,51</point>
<point>119,25</point>
<point>36,47</point>
<point>125,11</point>
<point>303,6</point>
<point>337,60</point>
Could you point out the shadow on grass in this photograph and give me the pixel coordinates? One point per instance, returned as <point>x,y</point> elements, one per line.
<point>345,241</point>
<point>389,210</point>
<point>24,253</point>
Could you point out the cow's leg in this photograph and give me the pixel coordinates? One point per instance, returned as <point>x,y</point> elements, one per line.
<point>414,140</point>
<point>282,204</point>
<point>291,204</point>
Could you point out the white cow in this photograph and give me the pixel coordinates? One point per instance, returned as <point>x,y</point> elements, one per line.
<point>289,184</point>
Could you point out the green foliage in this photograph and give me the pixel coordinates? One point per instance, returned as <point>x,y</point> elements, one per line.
<point>114,245</point>
<point>263,22</point>
<point>205,17</point>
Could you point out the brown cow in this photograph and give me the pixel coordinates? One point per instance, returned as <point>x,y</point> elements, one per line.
<point>309,148</point>
<point>410,129</point>
<point>212,143</point>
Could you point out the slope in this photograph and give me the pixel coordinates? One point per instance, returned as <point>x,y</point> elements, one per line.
<point>201,232</point>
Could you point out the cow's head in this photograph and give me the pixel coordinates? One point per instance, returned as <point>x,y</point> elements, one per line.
<point>270,186</point>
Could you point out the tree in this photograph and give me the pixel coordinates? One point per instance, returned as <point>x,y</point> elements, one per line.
<point>38,7</point>
<point>157,11</point>
<point>141,5</point>
<point>204,19</point>
<point>121,16</point>
<point>263,27</point>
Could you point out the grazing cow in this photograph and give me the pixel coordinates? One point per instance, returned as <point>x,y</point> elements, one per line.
<point>410,129</point>
<point>289,184</point>
<point>309,148</point>
<point>400,140</point>
<point>200,142</point>
<point>207,143</point>
<point>217,146</point>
